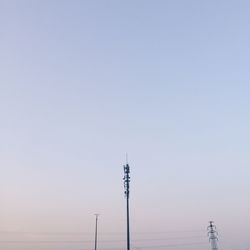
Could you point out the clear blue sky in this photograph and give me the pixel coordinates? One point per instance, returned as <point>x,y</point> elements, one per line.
<point>84,82</point>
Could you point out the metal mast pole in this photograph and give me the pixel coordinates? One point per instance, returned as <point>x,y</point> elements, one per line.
<point>126,187</point>
<point>212,234</point>
<point>96,220</point>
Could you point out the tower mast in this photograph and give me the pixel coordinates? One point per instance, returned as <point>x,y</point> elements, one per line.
<point>96,220</point>
<point>126,188</point>
<point>212,234</point>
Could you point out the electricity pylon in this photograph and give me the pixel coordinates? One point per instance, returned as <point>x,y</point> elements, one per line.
<point>212,234</point>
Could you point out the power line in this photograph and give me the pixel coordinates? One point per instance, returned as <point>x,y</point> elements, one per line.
<point>101,241</point>
<point>157,246</point>
<point>102,233</point>
<point>172,245</point>
<point>148,247</point>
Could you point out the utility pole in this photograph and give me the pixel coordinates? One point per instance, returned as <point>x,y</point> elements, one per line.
<point>96,220</point>
<point>126,188</point>
<point>212,234</point>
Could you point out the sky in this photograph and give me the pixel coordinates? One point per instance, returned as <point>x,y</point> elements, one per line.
<point>82,83</point>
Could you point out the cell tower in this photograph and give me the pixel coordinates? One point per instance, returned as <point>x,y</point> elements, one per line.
<point>126,188</point>
<point>212,234</point>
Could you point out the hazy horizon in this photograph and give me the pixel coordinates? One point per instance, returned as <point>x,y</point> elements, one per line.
<point>83,83</point>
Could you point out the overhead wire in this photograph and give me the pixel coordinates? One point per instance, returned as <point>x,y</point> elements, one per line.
<point>104,233</point>
<point>103,241</point>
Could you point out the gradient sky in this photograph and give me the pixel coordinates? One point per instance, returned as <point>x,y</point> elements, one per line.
<point>84,82</point>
